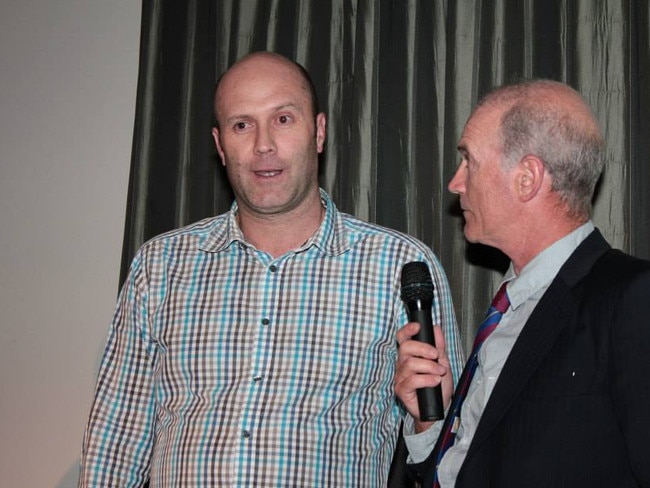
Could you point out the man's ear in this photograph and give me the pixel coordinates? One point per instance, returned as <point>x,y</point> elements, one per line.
<point>531,173</point>
<point>217,143</point>
<point>321,126</point>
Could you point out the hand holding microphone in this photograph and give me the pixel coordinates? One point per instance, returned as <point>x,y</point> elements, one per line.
<point>417,295</point>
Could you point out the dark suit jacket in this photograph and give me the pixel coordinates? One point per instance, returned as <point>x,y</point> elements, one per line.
<point>571,407</point>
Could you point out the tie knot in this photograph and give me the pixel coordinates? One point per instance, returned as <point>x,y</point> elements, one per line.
<point>501,302</point>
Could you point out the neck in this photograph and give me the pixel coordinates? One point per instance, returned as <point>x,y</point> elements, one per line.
<point>534,242</point>
<point>279,234</point>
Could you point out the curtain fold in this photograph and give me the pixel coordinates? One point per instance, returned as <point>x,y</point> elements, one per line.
<point>397,79</point>
<point>637,78</point>
<point>175,177</point>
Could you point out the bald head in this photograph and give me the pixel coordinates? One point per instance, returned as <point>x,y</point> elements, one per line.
<point>264,65</point>
<point>553,122</point>
<point>553,98</point>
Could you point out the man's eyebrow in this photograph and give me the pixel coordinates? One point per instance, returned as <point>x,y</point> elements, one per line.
<point>290,106</point>
<point>278,108</point>
<point>232,118</point>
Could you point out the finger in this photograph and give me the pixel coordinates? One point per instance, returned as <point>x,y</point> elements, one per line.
<point>412,348</point>
<point>440,340</point>
<point>411,362</point>
<point>407,332</point>
<point>407,386</point>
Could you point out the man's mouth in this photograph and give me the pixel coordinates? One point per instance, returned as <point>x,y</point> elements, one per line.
<point>268,174</point>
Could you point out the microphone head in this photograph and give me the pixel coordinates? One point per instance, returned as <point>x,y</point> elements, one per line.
<point>416,282</point>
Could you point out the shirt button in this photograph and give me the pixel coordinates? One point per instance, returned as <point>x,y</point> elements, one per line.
<point>257,379</point>
<point>273,268</point>
<point>245,434</point>
<point>266,321</point>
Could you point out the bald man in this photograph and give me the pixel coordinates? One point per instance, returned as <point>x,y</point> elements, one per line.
<point>258,348</point>
<point>560,392</point>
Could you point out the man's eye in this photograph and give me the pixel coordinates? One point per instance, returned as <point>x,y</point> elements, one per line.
<point>284,119</point>
<point>240,125</point>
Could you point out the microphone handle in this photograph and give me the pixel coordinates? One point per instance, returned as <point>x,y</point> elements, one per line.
<point>430,398</point>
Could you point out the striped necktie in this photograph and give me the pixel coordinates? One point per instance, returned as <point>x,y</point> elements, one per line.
<point>500,304</point>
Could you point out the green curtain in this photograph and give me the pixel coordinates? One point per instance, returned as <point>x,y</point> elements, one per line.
<point>397,80</point>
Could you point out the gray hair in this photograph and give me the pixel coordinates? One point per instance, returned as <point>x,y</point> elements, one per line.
<point>569,142</point>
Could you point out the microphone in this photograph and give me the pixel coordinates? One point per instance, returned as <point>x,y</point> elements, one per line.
<point>417,295</point>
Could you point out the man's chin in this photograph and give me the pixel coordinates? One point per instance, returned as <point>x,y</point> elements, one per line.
<point>469,236</point>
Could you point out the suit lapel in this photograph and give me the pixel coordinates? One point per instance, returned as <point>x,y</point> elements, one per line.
<point>538,335</point>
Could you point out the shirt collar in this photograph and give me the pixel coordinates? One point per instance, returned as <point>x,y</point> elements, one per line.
<point>331,238</point>
<point>543,268</point>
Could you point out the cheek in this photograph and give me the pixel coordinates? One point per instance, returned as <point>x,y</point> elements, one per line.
<point>497,204</point>
<point>481,198</point>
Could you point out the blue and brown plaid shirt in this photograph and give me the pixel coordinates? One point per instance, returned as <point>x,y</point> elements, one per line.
<point>227,367</point>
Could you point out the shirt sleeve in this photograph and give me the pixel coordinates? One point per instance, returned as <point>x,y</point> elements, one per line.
<point>119,435</point>
<point>420,445</point>
<point>444,315</point>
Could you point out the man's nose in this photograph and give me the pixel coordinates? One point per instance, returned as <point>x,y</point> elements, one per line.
<point>457,183</point>
<point>264,141</point>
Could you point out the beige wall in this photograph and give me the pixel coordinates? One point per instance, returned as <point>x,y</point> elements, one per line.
<point>68,74</point>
